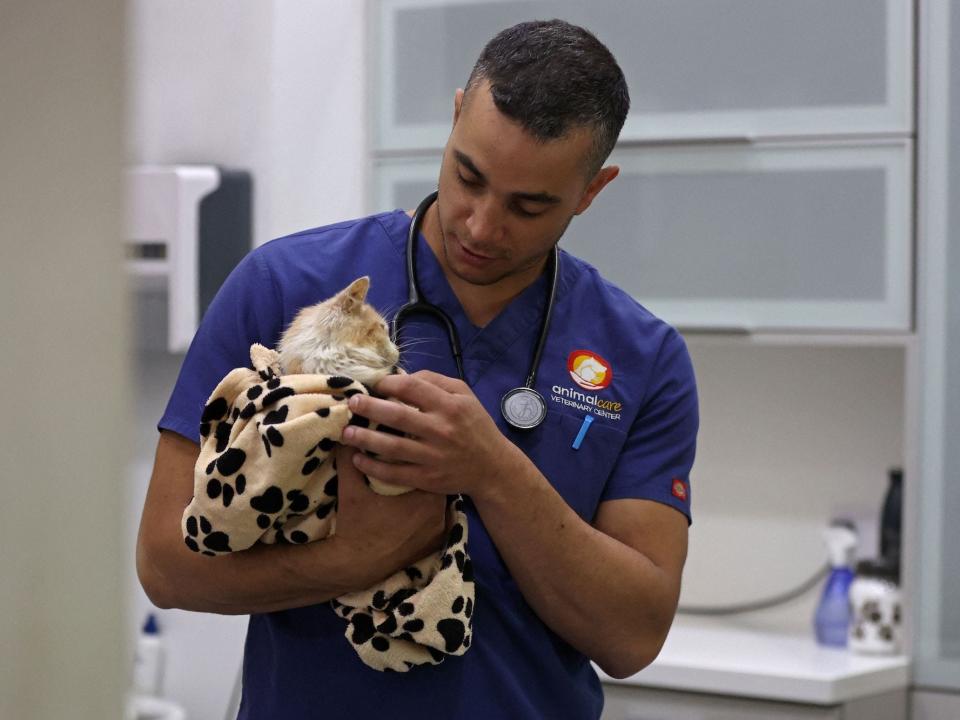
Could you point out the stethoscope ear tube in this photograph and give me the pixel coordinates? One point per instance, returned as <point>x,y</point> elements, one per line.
<point>424,307</point>
<point>413,284</point>
<point>545,325</point>
<point>415,301</point>
<point>523,408</point>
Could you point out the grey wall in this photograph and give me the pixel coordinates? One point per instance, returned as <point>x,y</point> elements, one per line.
<point>950,571</point>
<point>64,360</point>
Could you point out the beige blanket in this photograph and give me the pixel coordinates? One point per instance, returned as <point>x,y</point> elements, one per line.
<point>266,473</point>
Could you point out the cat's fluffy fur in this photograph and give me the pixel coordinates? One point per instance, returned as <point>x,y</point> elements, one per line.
<point>340,336</point>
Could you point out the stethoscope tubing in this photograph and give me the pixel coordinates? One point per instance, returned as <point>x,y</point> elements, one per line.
<point>416,303</point>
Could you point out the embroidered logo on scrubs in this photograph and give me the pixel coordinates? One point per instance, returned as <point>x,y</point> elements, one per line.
<point>679,489</point>
<point>589,370</point>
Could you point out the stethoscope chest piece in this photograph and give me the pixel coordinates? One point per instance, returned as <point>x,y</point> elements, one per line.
<point>523,408</point>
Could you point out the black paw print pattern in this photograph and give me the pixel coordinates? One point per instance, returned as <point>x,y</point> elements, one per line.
<point>400,623</point>
<point>221,485</point>
<point>275,505</point>
<point>204,539</point>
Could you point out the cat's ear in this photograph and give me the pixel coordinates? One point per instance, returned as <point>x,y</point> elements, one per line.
<point>352,296</point>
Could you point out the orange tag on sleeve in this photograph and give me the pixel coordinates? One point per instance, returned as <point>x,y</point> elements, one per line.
<point>679,489</point>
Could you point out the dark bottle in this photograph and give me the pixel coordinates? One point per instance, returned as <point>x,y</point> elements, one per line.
<point>890,520</point>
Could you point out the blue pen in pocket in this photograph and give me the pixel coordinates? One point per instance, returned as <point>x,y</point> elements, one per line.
<point>583,431</point>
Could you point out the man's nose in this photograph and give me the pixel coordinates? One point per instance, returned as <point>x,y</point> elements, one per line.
<point>486,221</point>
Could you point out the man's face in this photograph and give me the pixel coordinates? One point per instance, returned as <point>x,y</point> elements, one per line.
<point>506,198</point>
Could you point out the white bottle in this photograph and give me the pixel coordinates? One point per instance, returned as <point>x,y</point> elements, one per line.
<point>875,605</point>
<point>148,663</point>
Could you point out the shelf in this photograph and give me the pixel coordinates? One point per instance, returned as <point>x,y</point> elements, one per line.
<point>771,666</point>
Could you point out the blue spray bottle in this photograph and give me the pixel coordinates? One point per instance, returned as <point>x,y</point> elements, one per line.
<point>832,617</point>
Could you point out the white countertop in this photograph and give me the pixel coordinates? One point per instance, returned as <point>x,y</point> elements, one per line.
<point>752,663</point>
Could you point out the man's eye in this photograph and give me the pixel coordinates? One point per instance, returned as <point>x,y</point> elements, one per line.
<point>465,181</point>
<point>525,213</point>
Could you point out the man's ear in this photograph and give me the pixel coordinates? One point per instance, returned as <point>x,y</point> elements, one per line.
<point>599,182</point>
<point>457,104</point>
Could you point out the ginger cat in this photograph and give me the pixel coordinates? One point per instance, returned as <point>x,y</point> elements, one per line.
<point>342,335</point>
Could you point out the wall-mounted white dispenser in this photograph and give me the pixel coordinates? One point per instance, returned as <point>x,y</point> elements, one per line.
<point>187,226</point>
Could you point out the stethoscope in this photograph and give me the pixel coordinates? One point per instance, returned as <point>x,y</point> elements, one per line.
<point>523,407</point>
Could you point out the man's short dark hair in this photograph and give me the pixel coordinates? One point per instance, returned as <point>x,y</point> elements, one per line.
<point>553,77</point>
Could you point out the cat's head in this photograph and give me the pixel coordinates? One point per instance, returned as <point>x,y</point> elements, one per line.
<point>342,335</point>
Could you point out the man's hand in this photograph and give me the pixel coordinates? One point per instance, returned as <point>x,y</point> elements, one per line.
<point>610,590</point>
<point>383,534</point>
<point>451,446</point>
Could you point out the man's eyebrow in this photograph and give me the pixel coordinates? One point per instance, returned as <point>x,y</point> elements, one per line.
<point>468,163</point>
<point>540,197</point>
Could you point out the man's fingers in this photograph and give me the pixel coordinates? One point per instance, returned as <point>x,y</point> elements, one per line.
<point>387,472</point>
<point>424,389</point>
<point>451,385</point>
<point>392,447</point>
<point>390,413</point>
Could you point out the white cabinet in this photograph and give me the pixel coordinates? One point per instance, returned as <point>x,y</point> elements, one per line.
<point>404,182</point>
<point>735,68</point>
<point>633,703</point>
<point>758,237</point>
<point>717,670</point>
<point>811,236</point>
<point>793,208</point>
<point>629,703</point>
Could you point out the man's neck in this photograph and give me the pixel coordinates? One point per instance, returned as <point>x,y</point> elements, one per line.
<point>481,303</point>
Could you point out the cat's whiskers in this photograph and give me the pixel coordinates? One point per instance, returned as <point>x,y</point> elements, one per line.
<point>403,358</point>
<point>410,342</point>
<point>387,313</point>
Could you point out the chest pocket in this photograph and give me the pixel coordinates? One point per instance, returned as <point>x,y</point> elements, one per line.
<point>578,475</point>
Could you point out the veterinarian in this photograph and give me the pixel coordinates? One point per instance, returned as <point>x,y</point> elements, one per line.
<point>577,526</point>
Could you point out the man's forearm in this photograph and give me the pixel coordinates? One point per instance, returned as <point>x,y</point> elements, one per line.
<point>264,578</point>
<point>602,596</point>
<point>365,550</point>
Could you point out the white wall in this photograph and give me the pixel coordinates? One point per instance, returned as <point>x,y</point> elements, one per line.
<point>275,88</point>
<point>64,360</point>
<point>790,437</point>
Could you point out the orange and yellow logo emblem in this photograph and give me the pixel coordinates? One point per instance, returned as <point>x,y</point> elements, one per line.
<point>589,370</point>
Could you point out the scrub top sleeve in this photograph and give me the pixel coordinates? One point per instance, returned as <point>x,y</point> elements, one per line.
<point>246,309</point>
<point>658,454</point>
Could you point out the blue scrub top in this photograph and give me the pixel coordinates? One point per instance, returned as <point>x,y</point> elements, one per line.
<point>641,443</point>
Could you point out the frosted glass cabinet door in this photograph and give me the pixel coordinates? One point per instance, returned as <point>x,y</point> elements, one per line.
<point>762,237</point>
<point>725,68</point>
<point>404,183</point>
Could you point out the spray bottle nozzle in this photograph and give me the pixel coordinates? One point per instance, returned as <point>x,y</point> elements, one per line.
<point>841,540</point>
